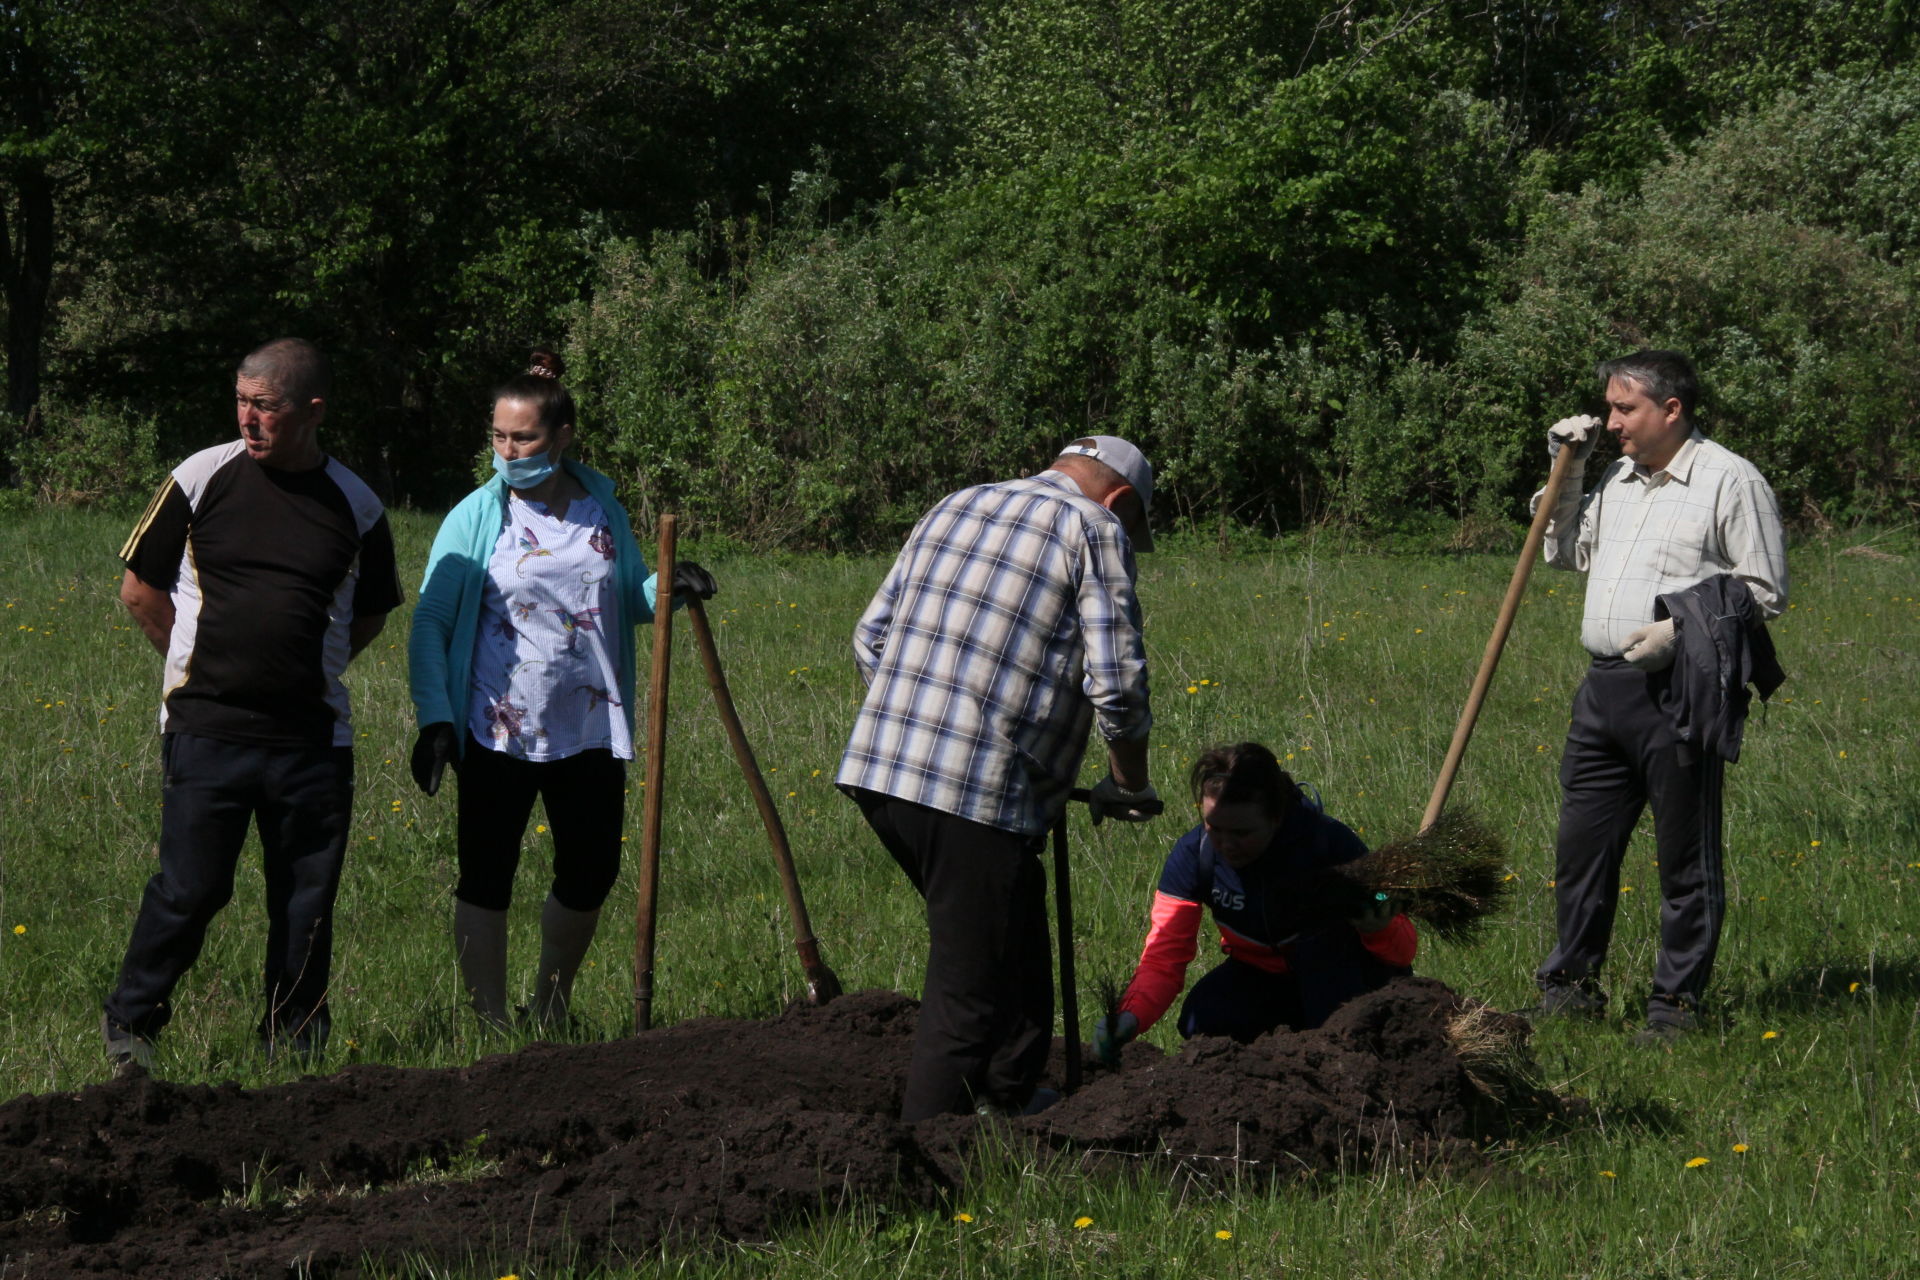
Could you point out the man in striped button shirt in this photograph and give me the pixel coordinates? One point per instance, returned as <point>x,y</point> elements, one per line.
<point>1006,629</point>
<point>1674,510</point>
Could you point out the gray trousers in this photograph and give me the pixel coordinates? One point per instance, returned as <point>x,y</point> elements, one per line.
<point>1621,756</point>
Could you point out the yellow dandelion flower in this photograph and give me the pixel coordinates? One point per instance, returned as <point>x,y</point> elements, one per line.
<point>1223,1234</point>
<point>1813,844</point>
<point>1741,1148</point>
<point>1193,688</point>
<point>1608,1173</point>
<point>19,929</point>
<point>963,1217</point>
<point>1082,1223</point>
<point>540,830</point>
<point>1852,987</point>
<point>1697,1162</point>
<point>1770,1035</point>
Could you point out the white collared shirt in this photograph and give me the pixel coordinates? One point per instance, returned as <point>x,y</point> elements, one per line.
<point>1639,534</point>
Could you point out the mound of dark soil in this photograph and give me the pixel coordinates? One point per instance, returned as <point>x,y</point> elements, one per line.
<point>711,1128</point>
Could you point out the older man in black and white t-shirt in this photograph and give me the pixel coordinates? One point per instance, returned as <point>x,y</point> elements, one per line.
<point>258,570</point>
<point>1675,510</point>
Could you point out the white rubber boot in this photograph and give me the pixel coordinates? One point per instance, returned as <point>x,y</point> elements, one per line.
<point>480,940</point>
<point>565,935</point>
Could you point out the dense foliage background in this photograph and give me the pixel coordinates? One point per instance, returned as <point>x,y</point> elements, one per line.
<point>816,261</point>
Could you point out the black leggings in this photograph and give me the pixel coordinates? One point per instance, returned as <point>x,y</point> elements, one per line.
<point>586,800</point>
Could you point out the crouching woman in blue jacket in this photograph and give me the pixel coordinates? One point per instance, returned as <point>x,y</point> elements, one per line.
<point>1254,862</point>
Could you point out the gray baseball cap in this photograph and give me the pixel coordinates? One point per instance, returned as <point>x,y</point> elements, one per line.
<point>1133,467</point>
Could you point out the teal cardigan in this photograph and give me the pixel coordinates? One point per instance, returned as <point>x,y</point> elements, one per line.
<point>446,619</point>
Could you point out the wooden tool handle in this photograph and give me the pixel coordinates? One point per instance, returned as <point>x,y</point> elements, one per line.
<point>822,984</point>
<point>656,774</point>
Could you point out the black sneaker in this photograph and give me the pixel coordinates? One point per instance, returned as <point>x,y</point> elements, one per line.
<point>1583,1000</point>
<point>130,1054</point>
<point>1666,1023</point>
<point>305,1048</point>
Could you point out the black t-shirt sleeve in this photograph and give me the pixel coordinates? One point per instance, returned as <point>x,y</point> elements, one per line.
<point>158,543</point>
<point>378,590</point>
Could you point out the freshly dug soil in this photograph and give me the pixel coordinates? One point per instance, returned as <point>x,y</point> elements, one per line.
<point>712,1129</point>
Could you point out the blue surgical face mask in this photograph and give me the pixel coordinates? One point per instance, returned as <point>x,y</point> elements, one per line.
<point>525,473</point>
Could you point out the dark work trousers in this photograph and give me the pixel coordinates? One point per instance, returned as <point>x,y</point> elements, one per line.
<point>586,799</point>
<point>1621,756</point>
<point>986,1013</point>
<point>1326,969</point>
<point>301,799</point>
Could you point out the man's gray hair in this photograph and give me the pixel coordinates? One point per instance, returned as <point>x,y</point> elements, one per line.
<point>292,366</point>
<point>1660,375</point>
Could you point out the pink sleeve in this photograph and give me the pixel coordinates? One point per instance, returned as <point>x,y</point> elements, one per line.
<point>1394,944</point>
<point>1171,943</point>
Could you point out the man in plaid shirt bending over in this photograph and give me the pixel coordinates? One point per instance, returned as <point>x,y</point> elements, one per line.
<point>1673,512</point>
<point>1006,628</point>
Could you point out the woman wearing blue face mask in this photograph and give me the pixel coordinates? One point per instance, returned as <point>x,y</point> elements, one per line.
<point>522,671</point>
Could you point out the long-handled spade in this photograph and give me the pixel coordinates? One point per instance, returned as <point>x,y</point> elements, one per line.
<point>822,984</point>
<point>1490,660</point>
<point>1449,873</point>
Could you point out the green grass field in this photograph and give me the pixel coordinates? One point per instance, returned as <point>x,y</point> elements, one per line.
<point>1780,1143</point>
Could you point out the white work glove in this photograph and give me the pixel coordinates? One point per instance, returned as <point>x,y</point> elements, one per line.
<point>1110,1035</point>
<point>1581,431</point>
<point>1109,799</point>
<point>1651,647</point>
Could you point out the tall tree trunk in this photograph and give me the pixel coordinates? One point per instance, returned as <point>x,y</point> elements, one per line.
<point>26,262</point>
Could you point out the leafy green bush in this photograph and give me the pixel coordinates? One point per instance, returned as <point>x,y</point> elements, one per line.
<point>1209,263</point>
<point>80,455</point>
<point>1284,277</point>
<point>1777,254</point>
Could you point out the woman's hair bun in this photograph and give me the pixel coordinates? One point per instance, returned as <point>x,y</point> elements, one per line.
<point>539,385</point>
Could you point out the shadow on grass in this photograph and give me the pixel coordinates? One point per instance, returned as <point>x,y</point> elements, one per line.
<point>1816,987</point>
<point>1636,1114</point>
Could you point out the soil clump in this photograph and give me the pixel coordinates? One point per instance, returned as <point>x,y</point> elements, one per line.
<point>711,1129</point>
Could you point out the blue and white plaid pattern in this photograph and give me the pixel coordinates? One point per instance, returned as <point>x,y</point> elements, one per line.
<point>1005,627</point>
<point>1640,535</point>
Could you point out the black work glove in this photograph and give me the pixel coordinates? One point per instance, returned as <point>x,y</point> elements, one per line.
<point>691,582</point>
<point>1111,800</point>
<point>432,751</point>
